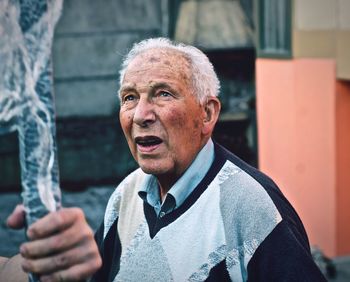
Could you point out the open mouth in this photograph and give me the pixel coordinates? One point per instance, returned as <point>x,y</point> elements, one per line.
<point>148,143</point>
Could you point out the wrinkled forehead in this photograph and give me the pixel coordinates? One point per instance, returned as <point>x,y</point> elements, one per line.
<point>167,58</point>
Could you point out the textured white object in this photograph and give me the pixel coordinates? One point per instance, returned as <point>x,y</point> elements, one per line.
<point>26,97</point>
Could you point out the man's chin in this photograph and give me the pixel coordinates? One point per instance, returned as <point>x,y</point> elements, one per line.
<point>150,170</point>
<point>154,169</point>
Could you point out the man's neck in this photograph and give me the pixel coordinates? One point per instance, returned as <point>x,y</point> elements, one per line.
<point>165,182</point>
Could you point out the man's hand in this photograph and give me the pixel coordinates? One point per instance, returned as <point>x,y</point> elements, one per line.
<point>61,246</point>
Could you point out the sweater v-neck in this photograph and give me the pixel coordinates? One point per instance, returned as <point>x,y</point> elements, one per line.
<point>156,223</point>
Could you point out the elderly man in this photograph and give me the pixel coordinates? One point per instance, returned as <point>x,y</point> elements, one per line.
<point>192,211</point>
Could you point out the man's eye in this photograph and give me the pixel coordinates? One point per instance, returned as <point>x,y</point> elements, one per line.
<point>164,94</point>
<point>128,98</point>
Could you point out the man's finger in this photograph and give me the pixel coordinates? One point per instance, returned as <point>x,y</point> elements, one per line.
<point>54,222</point>
<point>57,243</point>
<point>16,220</point>
<point>77,272</point>
<point>60,261</point>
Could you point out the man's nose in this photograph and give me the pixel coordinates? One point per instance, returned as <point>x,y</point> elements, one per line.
<point>144,112</point>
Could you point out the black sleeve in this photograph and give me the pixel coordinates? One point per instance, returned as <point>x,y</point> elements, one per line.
<point>284,256</point>
<point>99,236</point>
<point>110,251</point>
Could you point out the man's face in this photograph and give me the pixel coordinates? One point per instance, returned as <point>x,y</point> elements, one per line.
<point>161,118</point>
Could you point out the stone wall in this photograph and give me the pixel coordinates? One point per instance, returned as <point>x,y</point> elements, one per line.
<point>91,39</point>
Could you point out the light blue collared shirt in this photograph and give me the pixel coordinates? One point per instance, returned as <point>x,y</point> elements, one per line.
<point>149,190</point>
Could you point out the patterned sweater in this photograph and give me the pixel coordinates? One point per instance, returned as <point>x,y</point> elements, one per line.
<point>235,226</point>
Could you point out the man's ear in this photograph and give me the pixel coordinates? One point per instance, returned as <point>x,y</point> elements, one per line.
<point>211,114</point>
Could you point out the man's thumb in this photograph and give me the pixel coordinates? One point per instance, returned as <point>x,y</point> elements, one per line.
<point>16,220</point>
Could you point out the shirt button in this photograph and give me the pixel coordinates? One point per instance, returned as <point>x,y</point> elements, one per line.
<point>161,214</point>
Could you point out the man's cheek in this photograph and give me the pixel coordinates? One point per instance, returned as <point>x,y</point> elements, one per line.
<point>178,119</point>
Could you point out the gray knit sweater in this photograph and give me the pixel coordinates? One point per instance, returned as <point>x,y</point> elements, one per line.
<point>235,226</point>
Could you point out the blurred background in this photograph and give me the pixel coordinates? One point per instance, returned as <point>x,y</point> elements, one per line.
<point>284,66</point>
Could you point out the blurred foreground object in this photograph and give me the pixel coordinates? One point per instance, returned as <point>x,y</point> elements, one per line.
<point>26,97</point>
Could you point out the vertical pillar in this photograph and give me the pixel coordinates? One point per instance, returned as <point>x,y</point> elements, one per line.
<point>343,166</point>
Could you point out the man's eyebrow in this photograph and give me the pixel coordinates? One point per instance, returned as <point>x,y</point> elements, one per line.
<point>158,85</point>
<point>127,88</point>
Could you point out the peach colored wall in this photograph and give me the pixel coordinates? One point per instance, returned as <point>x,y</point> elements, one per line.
<point>296,126</point>
<point>343,166</point>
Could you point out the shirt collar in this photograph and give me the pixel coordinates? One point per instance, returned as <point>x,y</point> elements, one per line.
<point>183,187</point>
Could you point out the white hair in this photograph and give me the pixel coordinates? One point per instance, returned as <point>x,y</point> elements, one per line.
<point>204,79</point>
